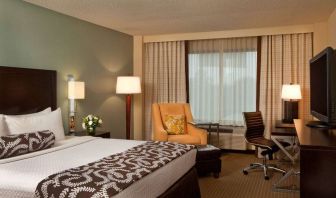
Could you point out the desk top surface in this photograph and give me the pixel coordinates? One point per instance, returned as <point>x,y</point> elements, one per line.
<point>315,138</point>
<point>283,132</point>
<point>281,124</point>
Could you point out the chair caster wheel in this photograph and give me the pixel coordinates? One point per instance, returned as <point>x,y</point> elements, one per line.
<point>266,178</point>
<point>245,172</point>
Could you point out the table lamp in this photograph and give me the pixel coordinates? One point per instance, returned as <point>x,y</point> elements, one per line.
<point>128,85</point>
<point>291,94</point>
<point>76,90</point>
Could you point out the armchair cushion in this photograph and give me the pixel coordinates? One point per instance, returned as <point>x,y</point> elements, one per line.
<point>184,139</point>
<point>175,124</point>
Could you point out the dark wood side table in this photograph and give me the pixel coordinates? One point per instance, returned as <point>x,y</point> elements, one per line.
<point>102,134</point>
<point>208,160</point>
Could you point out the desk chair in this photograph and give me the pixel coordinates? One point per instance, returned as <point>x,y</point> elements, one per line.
<point>254,135</point>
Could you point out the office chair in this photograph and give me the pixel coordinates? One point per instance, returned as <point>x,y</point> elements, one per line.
<point>254,135</point>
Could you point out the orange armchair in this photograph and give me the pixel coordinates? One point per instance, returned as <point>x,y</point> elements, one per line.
<point>193,134</point>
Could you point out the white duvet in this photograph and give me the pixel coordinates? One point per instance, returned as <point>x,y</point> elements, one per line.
<point>20,175</point>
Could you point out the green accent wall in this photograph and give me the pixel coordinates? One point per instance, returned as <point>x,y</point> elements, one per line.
<point>35,37</point>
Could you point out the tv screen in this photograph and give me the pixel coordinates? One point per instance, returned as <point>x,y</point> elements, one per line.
<point>323,87</point>
<point>319,88</point>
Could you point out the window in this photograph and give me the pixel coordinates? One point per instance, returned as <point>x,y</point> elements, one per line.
<point>223,79</point>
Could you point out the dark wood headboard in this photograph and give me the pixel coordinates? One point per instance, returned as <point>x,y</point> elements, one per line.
<point>25,91</point>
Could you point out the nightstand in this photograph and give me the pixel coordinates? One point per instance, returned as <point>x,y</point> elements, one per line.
<point>102,134</point>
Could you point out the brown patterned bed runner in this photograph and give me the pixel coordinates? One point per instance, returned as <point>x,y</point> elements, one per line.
<point>111,175</point>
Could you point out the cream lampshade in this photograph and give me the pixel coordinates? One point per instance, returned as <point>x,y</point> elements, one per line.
<point>291,93</point>
<point>76,90</point>
<point>128,85</point>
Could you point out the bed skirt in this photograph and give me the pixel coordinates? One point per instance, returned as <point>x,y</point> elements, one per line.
<point>186,186</point>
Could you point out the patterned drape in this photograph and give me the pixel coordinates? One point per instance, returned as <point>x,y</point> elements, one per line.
<point>284,60</point>
<point>165,77</point>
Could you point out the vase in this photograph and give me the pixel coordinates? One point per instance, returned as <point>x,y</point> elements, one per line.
<point>91,131</point>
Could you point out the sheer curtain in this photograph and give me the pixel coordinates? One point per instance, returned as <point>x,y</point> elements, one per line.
<point>284,60</point>
<point>165,77</point>
<point>223,79</point>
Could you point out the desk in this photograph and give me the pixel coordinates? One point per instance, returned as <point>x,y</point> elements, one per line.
<point>286,131</point>
<point>318,161</point>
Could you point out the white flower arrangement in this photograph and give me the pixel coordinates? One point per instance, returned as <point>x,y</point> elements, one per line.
<point>91,122</point>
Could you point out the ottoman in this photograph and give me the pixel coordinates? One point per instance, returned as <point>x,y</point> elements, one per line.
<point>208,160</point>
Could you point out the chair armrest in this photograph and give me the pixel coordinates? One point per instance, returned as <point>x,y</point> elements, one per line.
<point>201,133</point>
<point>159,133</point>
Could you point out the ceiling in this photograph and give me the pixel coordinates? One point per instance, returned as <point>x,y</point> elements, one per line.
<point>148,17</point>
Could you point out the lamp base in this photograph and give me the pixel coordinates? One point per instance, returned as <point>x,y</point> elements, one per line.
<point>72,125</point>
<point>128,116</point>
<point>291,111</point>
<point>72,115</point>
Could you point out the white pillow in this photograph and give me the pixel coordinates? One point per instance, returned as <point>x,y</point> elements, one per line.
<point>3,126</point>
<point>49,121</point>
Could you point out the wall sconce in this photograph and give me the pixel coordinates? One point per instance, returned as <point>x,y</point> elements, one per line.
<point>76,90</point>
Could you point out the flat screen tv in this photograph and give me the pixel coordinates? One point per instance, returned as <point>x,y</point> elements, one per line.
<point>323,88</point>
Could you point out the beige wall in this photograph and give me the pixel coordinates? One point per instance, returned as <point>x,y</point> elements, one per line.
<point>35,37</point>
<point>138,131</point>
<point>332,29</point>
<point>320,37</point>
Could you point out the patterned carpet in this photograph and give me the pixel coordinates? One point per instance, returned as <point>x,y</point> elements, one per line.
<point>232,183</point>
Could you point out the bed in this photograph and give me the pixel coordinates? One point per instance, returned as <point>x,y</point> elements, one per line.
<point>23,175</point>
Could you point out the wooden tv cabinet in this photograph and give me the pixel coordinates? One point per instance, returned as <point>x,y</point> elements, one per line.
<point>318,161</point>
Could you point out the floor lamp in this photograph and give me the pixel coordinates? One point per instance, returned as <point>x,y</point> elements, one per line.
<point>291,94</point>
<point>128,85</point>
